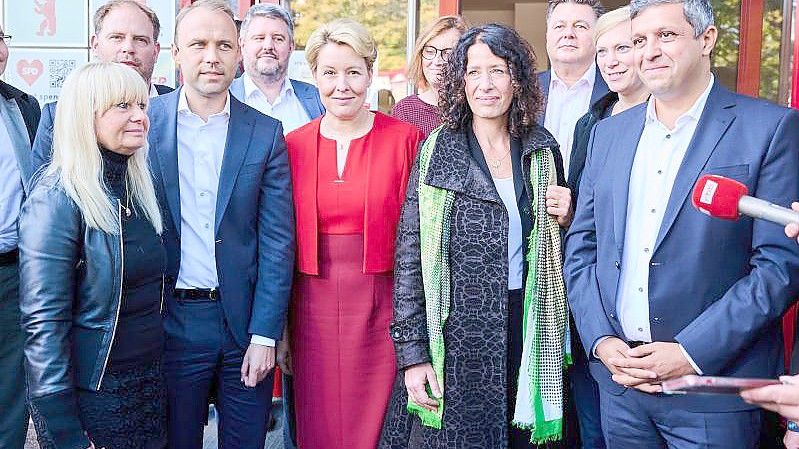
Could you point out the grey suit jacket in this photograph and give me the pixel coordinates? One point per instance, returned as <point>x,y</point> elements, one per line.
<point>20,114</point>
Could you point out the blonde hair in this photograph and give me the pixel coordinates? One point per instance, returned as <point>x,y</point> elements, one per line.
<point>342,32</point>
<point>89,90</point>
<point>211,5</point>
<point>437,27</point>
<point>610,20</point>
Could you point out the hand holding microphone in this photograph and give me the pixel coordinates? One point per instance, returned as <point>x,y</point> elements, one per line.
<point>792,229</point>
<point>727,199</point>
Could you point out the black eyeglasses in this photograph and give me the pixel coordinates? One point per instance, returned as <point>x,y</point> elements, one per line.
<point>5,37</point>
<point>429,52</point>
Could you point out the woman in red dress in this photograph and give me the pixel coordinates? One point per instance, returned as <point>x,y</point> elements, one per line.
<point>350,170</point>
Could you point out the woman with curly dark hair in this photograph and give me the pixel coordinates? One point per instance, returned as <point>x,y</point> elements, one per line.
<point>480,316</point>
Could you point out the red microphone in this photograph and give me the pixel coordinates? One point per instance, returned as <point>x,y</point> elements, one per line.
<point>727,199</point>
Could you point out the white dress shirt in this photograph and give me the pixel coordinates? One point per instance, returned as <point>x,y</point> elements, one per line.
<point>11,192</point>
<point>657,160</point>
<point>201,148</point>
<point>565,106</point>
<point>287,107</point>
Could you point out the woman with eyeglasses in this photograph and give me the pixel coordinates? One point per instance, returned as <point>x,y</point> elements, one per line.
<point>429,56</point>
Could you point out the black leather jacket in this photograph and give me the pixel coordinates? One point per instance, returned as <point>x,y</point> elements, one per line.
<point>70,291</point>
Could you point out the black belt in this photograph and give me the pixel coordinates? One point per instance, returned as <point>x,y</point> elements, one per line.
<point>9,258</point>
<point>636,343</point>
<point>196,293</point>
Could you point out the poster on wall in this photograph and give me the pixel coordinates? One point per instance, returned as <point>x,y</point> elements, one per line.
<point>41,72</point>
<point>47,23</point>
<point>164,70</point>
<point>165,10</point>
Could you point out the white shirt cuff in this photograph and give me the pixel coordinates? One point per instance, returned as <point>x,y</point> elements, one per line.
<point>263,341</point>
<point>690,360</point>
<point>601,339</point>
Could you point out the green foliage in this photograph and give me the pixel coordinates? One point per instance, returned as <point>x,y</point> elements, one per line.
<point>387,20</point>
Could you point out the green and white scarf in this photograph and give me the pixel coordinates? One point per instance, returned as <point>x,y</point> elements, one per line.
<point>545,353</point>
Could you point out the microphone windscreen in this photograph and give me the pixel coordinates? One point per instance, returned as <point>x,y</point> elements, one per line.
<point>718,196</point>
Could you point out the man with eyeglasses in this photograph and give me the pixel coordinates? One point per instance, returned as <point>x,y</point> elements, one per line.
<point>267,40</point>
<point>125,32</point>
<point>19,116</point>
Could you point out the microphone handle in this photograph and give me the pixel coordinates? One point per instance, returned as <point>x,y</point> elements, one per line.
<point>757,208</point>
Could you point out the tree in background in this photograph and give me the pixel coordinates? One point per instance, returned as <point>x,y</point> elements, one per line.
<point>387,20</point>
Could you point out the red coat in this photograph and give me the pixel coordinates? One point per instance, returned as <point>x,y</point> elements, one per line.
<point>392,149</point>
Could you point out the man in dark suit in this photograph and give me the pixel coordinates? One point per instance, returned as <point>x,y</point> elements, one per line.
<point>19,116</point>
<point>221,172</point>
<point>570,87</point>
<point>658,289</point>
<point>125,31</point>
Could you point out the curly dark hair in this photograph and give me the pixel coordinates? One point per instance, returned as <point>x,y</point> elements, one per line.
<point>505,43</point>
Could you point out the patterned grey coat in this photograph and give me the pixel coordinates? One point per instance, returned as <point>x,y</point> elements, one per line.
<point>475,383</point>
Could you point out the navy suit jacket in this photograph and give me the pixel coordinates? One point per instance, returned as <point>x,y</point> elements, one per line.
<point>306,93</point>
<point>716,287</point>
<point>254,226</point>
<point>42,151</point>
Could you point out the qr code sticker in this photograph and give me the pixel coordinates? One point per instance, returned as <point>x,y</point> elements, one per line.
<point>59,69</point>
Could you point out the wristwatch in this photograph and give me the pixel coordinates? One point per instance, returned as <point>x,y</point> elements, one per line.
<point>793,427</point>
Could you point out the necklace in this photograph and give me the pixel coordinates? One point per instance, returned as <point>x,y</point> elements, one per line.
<point>495,163</point>
<point>128,212</point>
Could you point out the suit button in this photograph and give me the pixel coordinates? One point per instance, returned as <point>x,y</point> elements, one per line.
<point>218,242</point>
<point>618,265</point>
<point>656,319</point>
<point>613,315</point>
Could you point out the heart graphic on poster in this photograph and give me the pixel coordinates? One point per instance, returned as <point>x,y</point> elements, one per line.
<point>30,71</point>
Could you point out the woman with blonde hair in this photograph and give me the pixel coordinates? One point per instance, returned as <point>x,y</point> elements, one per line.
<point>349,171</point>
<point>91,264</point>
<point>433,47</point>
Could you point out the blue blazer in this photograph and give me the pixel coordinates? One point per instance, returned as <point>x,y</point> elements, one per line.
<point>717,287</point>
<point>254,226</point>
<point>308,95</point>
<point>42,151</point>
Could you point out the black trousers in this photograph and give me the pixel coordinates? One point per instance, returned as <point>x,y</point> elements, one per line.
<point>14,415</point>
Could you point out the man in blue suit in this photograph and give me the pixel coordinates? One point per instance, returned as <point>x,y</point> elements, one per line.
<point>126,32</point>
<point>659,290</point>
<point>267,41</point>
<point>222,174</point>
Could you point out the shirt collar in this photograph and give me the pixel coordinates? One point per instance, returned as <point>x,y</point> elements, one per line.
<point>588,77</point>
<point>694,113</point>
<point>183,105</point>
<point>251,89</point>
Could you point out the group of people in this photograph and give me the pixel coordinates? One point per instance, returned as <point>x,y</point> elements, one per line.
<point>509,259</point>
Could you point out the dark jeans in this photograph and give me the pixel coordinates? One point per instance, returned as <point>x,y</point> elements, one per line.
<point>201,355</point>
<point>14,413</point>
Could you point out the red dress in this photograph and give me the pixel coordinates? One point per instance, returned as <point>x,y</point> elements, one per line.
<point>342,355</point>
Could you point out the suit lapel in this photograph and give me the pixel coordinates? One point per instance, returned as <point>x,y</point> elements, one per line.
<point>544,79</point>
<point>307,99</point>
<point>165,145</point>
<point>624,155</point>
<point>18,133</point>
<point>713,123</point>
<point>239,137</point>
<point>600,88</point>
